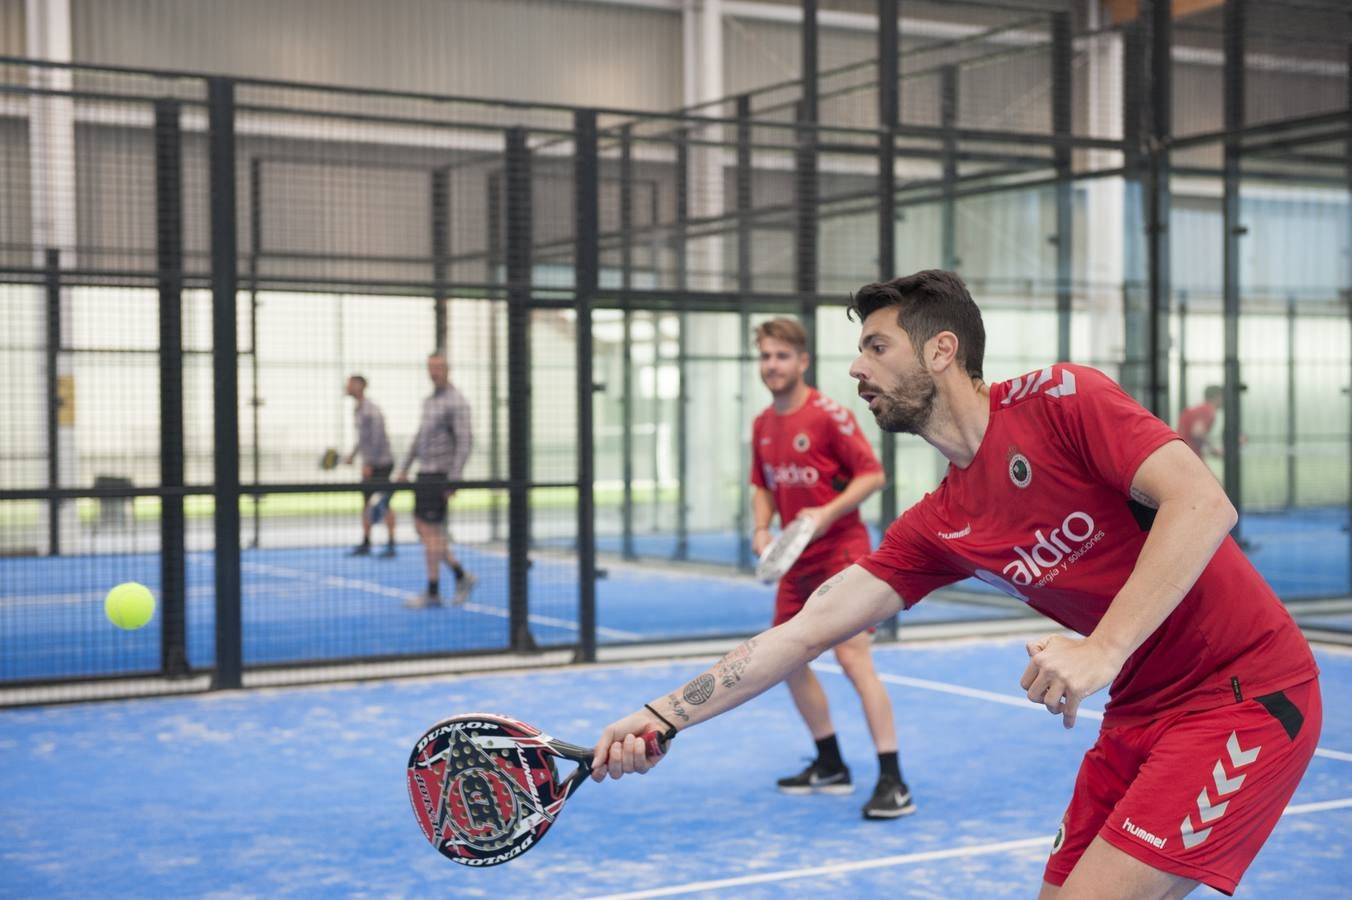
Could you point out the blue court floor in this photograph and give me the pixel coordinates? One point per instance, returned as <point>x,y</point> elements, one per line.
<point>301,792</point>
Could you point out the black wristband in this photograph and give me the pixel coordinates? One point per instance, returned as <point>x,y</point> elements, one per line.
<point>671,729</point>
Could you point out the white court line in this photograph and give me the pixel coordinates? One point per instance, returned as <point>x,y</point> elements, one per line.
<point>372,587</point>
<point>902,860</point>
<point>1011,700</point>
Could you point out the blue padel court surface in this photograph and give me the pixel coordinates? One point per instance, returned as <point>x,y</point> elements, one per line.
<point>301,792</point>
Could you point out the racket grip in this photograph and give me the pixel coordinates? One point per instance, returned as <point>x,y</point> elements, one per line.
<point>654,747</point>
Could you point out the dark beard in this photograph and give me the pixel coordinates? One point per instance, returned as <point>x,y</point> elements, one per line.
<point>907,410</point>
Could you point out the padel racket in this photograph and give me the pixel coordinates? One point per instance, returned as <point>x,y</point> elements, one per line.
<point>329,459</point>
<point>485,787</point>
<point>784,550</point>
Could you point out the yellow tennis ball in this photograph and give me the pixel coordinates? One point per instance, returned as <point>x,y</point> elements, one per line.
<point>129,605</point>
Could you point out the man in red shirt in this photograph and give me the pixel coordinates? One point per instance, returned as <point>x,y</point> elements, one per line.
<point>809,457</point>
<point>1064,492</point>
<point>1195,422</point>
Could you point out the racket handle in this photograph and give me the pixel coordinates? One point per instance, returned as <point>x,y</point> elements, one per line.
<point>653,745</point>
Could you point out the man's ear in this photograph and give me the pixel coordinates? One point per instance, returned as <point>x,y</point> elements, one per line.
<point>941,351</point>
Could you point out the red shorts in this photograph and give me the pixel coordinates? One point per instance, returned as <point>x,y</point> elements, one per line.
<point>812,569</point>
<point>1193,793</point>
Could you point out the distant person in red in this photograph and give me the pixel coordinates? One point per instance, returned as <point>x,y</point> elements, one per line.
<point>1068,495</point>
<point>1195,422</point>
<point>809,457</point>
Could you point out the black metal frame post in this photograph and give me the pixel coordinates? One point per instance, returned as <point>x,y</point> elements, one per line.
<point>745,284</point>
<point>1233,25</point>
<point>680,238</point>
<point>1062,61</point>
<point>519,250</point>
<point>169,278</point>
<point>587,267</point>
<point>888,116</point>
<point>440,232</point>
<point>1182,351</point>
<point>1292,397</point>
<point>626,360</point>
<point>1347,296</point>
<point>255,397</point>
<point>225,362</point>
<point>807,189</point>
<point>494,254</point>
<point>1136,172</point>
<point>1160,15</point>
<point>52,353</point>
<point>948,118</point>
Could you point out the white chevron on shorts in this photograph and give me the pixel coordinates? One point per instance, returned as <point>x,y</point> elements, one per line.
<point>1225,784</point>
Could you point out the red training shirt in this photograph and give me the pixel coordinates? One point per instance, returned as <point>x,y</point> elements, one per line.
<point>807,457</point>
<point>1044,513</point>
<point>1203,414</point>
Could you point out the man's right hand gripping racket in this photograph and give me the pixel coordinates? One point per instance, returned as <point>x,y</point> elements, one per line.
<point>784,550</point>
<point>485,787</point>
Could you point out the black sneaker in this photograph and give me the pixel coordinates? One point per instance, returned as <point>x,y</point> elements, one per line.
<point>817,779</point>
<point>360,550</point>
<point>388,553</point>
<point>891,800</point>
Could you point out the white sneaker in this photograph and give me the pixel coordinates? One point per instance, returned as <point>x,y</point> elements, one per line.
<point>463,587</point>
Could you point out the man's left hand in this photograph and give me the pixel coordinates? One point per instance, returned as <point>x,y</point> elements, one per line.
<point>1063,671</point>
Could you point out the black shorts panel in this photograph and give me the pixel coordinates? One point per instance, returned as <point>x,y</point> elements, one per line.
<point>429,497</point>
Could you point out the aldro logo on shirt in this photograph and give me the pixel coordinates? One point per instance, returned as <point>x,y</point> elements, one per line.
<point>1053,553</point>
<point>789,476</point>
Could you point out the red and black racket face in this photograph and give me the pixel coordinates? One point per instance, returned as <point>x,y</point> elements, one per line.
<point>485,788</point>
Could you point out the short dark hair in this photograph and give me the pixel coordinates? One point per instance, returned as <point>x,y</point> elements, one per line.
<point>790,331</point>
<point>1213,392</point>
<point>929,302</point>
<point>361,380</point>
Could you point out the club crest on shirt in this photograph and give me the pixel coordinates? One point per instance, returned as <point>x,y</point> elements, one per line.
<point>801,442</point>
<point>1020,470</point>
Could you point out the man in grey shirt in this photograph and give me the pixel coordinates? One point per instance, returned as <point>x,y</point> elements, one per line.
<point>376,461</point>
<point>440,449</point>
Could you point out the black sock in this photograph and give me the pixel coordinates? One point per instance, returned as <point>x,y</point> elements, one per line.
<point>457,571</point>
<point>366,541</point>
<point>434,587</point>
<point>888,765</point>
<point>828,753</point>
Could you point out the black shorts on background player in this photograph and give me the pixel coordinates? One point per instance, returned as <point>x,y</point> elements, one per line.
<point>378,474</point>
<point>429,497</point>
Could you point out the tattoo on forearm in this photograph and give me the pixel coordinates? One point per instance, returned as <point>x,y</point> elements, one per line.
<point>830,583</point>
<point>699,690</point>
<point>1143,498</point>
<point>731,667</point>
<point>678,708</point>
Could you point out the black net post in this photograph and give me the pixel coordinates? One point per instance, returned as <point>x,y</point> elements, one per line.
<point>627,363</point>
<point>1233,16</point>
<point>255,395</point>
<point>493,241</point>
<point>744,200</point>
<point>224,260</point>
<point>52,348</point>
<point>441,229</point>
<point>587,266</point>
<point>888,116</point>
<point>680,237</point>
<point>1062,60</point>
<point>169,265</point>
<point>948,119</point>
<point>518,238</point>
<point>1158,15</point>
<point>1135,165</point>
